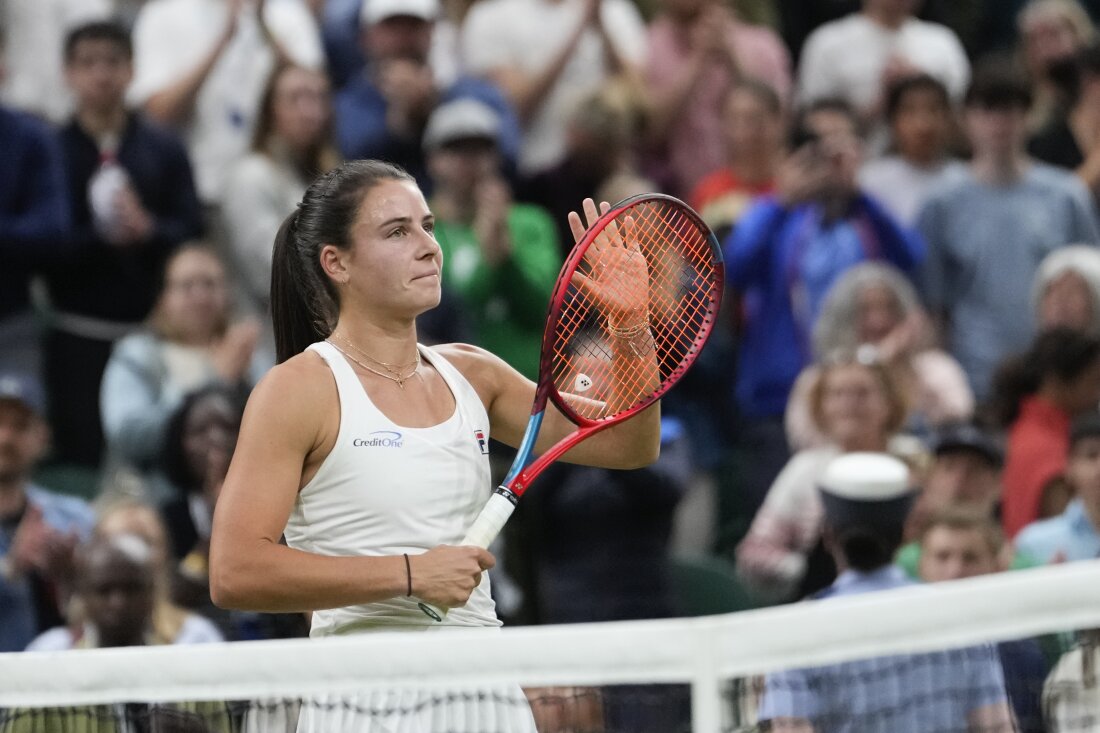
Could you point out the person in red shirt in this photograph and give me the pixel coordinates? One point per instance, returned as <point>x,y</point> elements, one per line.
<point>1036,396</point>
<point>754,124</point>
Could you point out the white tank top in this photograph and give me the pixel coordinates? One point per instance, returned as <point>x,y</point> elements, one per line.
<point>386,489</point>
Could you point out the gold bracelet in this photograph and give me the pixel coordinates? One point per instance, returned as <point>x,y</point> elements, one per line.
<point>629,331</point>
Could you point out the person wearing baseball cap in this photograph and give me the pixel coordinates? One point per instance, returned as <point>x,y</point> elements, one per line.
<point>866,498</point>
<point>39,529</point>
<point>381,113</point>
<point>501,258</point>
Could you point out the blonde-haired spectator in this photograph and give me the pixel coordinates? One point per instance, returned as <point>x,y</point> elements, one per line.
<point>1066,291</point>
<point>875,310</point>
<point>1051,32</point>
<point>599,161</point>
<point>291,145</point>
<point>858,406</point>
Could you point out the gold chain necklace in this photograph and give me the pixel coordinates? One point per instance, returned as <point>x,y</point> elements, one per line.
<point>391,368</point>
<point>393,377</point>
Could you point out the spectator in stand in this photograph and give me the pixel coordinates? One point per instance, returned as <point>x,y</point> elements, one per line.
<point>291,145</point>
<point>787,251</point>
<point>171,623</point>
<point>1071,695</point>
<point>1051,33</point>
<point>698,51</point>
<point>957,544</point>
<point>858,406</point>
<point>198,443</point>
<point>133,201</point>
<point>1070,136</point>
<point>874,310</point>
<point>755,126</point>
<point>859,57</point>
<point>1006,210</point>
<point>189,343</point>
<point>34,221</point>
<point>866,498</point>
<point>964,474</point>
<point>1037,395</point>
<point>202,64</point>
<point>117,584</point>
<point>382,112</point>
<point>500,257</point>
<point>38,528</point>
<point>918,110</point>
<point>35,82</point>
<point>1066,292</point>
<point>548,56</point>
<point>116,581</point>
<point>599,159</point>
<point>1075,533</point>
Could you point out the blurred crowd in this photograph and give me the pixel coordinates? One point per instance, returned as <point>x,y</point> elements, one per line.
<point>905,191</point>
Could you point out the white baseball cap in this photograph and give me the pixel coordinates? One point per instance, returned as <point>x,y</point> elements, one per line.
<point>373,11</point>
<point>461,119</point>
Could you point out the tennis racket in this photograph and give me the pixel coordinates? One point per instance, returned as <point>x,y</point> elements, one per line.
<point>634,304</point>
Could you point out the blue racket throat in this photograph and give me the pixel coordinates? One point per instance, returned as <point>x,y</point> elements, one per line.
<point>526,448</point>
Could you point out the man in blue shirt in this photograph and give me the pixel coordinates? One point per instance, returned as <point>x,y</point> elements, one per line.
<point>34,219</point>
<point>784,255</point>
<point>989,228</point>
<point>866,498</point>
<point>38,529</point>
<point>382,112</point>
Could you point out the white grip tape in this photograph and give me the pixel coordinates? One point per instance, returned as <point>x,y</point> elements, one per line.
<point>484,530</point>
<point>489,523</point>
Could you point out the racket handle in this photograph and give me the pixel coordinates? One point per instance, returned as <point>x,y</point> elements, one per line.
<point>481,533</point>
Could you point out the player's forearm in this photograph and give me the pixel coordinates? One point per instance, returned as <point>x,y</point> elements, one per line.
<point>275,578</point>
<point>634,443</point>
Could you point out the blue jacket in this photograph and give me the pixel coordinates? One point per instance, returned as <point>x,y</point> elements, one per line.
<point>18,618</point>
<point>361,130</point>
<point>34,211</point>
<point>784,261</point>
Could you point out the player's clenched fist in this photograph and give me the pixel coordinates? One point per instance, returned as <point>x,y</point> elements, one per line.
<point>445,576</point>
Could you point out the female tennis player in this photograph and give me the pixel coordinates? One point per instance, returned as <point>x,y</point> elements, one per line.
<point>368,451</point>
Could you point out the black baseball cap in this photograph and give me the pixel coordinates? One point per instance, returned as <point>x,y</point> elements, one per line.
<point>967,436</point>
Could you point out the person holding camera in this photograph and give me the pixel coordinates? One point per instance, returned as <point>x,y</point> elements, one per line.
<point>786,252</point>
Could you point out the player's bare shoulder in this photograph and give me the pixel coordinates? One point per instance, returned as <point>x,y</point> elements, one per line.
<point>299,394</point>
<point>486,371</point>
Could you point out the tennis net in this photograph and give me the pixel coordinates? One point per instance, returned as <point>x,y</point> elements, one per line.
<point>926,658</point>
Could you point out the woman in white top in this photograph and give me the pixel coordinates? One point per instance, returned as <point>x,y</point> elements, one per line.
<point>190,342</point>
<point>291,144</point>
<point>369,451</point>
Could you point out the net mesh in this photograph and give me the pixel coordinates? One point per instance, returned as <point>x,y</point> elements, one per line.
<point>1011,652</point>
<point>679,288</point>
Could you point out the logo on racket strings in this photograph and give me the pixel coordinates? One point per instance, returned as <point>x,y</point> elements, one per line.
<point>479,435</point>
<point>582,383</point>
<point>380,439</point>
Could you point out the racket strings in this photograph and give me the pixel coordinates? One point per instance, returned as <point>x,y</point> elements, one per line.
<point>682,296</point>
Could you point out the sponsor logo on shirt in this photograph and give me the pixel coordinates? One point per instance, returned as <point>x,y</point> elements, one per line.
<point>380,439</point>
<point>482,443</point>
